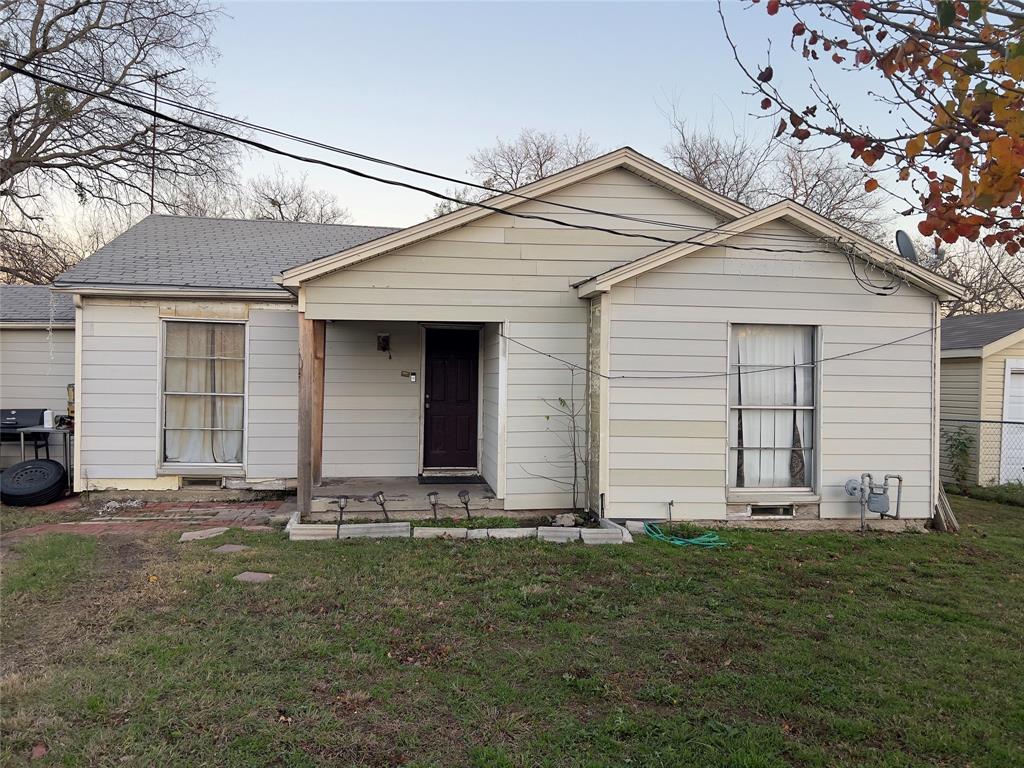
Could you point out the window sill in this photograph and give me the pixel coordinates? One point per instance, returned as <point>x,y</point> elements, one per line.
<point>771,496</point>
<point>201,470</point>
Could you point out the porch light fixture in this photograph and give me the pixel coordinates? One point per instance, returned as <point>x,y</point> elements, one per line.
<point>432,500</point>
<point>464,498</point>
<point>379,499</point>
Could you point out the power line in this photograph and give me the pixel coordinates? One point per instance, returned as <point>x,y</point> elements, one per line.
<point>394,182</point>
<point>370,158</point>
<point>726,374</point>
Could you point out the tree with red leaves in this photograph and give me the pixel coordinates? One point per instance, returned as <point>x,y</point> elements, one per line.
<point>953,73</point>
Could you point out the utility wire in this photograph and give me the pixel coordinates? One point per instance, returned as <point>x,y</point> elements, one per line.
<point>370,158</point>
<point>391,182</point>
<point>726,374</point>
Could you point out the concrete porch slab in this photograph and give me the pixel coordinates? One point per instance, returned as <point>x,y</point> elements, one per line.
<point>403,494</point>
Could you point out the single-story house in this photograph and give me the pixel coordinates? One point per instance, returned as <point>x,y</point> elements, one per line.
<point>613,335</point>
<point>37,356</point>
<point>983,395</point>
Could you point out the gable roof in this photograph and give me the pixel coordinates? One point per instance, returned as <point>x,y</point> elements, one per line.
<point>797,214</point>
<point>982,334</point>
<point>32,305</point>
<point>626,158</point>
<point>221,255</point>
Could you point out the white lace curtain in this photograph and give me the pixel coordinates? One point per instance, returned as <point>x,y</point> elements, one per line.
<point>771,444</point>
<point>204,380</point>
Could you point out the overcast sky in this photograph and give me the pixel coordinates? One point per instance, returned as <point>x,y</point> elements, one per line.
<point>427,83</point>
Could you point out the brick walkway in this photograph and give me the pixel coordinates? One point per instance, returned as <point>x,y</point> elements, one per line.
<point>152,518</point>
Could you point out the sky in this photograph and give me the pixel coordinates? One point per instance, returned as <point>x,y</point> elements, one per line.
<point>427,83</point>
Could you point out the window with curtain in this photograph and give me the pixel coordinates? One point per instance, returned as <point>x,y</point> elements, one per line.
<point>204,386</point>
<point>771,406</point>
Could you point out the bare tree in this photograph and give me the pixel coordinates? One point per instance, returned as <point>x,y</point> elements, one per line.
<point>759,171</point>
<point>58,144</point>
<point>733,164</point>
<point>290,199</point>
<point>994,279</point>
<point>529,157</point>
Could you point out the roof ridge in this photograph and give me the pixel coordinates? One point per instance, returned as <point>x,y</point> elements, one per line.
<point>271,221</point>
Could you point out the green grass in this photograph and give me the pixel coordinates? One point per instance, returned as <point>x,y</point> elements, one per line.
<point>821,649</point>
<point>1007,493</point>
<point>49,564</point>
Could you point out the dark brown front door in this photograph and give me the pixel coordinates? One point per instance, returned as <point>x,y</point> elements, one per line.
<point>450,398</point>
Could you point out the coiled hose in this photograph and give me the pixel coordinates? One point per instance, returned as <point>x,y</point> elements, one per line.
<point>709,539</point>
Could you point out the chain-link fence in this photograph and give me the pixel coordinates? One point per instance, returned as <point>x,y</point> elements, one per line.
<point>981,452</point>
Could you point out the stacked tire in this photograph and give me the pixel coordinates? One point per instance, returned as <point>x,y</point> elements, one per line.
<point>33,483</point>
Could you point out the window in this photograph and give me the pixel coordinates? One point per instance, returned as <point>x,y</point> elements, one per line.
<point>203,392</point>
<point>771,406</point>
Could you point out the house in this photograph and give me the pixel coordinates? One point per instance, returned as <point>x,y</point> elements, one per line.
<point>37,355</point>
<point>982,390</point>
<point>671,354</point>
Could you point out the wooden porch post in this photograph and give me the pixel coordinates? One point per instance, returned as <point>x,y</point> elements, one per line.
<point>311,412</point>
<point>319,352</point>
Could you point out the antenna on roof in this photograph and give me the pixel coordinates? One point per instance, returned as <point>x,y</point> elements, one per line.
<point>906,246</point>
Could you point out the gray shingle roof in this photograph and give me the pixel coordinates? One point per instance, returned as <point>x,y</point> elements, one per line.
<point>971,331</point>
<point>192,252</point>
<point>31,304</point>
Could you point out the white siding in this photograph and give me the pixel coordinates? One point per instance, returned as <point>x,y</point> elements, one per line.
<point>960,398</point>
<point>371,411</point>
<point>669,437</point>
<point>520,272</point>
<point>36,367</point>
<point>273,394</point>
<point>117,409</point>
<point>490,372</point>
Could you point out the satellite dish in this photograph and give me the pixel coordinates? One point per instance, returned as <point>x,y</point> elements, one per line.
<point>906,246</point>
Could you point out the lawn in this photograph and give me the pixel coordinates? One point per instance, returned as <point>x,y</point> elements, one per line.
<point>783,649</point>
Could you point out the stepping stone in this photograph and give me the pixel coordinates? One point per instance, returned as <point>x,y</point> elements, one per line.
<point>202,533</point>
<point>225,548</point>
<point>254,577</point>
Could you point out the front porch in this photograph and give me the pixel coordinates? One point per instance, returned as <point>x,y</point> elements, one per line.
<point>405,499</point>
<point>401,407</point>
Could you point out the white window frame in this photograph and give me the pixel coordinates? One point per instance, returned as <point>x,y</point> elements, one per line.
<point>776,494</point>
<point>165,467</point>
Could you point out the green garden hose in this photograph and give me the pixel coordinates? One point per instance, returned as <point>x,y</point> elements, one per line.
<point>709,539</point>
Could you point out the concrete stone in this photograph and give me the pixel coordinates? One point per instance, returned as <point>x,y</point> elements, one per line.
<point>374,530</point>
<point>511,533</point>
<point>202,533</point>
<point>476,533</point>
<point>635,526</point>
<point>601,536</point>
<point>557,535</point>
<point>627,537</point>
<point>427,532</point>
<point>564,520</point>
<point>312,532</point>
<point>228,548</point>
<point>254,577</point>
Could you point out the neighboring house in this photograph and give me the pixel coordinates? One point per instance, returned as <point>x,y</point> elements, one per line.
<point>983,394</point>
<point>37,355</point>
<point>260,350</point>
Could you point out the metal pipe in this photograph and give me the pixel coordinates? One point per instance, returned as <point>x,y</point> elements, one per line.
<point>899,491</point>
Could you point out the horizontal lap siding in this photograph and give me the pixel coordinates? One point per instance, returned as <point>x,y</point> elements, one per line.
<point>35,370</point>
<point>371,411</point>
<point>491,342</point>
<point>960,398</point>
<point>668,437</point>
<point>272,437</point>
<point>520,272</point>
<point>118,406</point>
